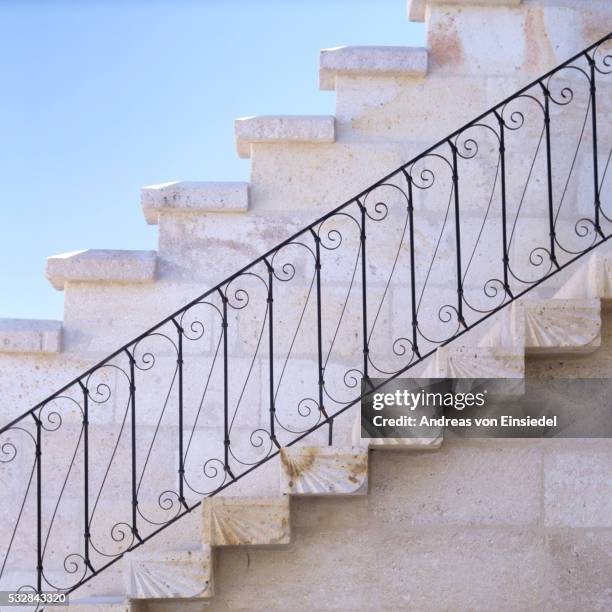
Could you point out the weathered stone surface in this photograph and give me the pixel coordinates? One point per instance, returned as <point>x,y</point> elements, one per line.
<point>461,484</point>
<point>579,569</point>
<point>282,129</point>
<point>475,569</point>
<point>553,326</point>
<point>324,470</point>
<point>30,336</point>
<point>416,8</point>
<point>375,111</point>
<point>169,574</point>
<point>246,521</point>
<point>578,489</point>
<point>590,279</point>
<point>455,361</point>
<point>101,266</point>
<point>192,196</point>
<point>372,62</point>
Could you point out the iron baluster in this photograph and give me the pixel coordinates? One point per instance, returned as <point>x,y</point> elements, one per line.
<point>133,439</point>
<point>413,302</point>
<point>502,167</point>
<point>364,290</point>
<point>39,545</point>
<point>179,366</point>
<point>321,381</point>
<point>86,533</point>
<point>226,439</point>
<point>593,94</point>
<point>457,234</point>
<point>551,214</point>
<point>270,302</point>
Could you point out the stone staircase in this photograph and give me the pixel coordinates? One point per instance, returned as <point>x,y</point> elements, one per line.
<point>302,166</point>
<point>568,323</point>
<point>292,158</point>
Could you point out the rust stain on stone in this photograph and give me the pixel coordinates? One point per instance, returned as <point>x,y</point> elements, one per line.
<point>445,45</point>
<point>358,469</point>
<point>594,26</point>
<point>538,50</point>
<point>295,467</point>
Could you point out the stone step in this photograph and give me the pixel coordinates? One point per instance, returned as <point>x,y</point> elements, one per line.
<point>101,266</point>
<point>560,326</point>
<point>282,129</point>
<point>548,326</point>
<point>324,470</point>
<point>371,62</point>
<point>417,8</point>
<point>193,197</point>
<point>456,361</point>
<point>246,521</point>
<point>168,575</point>
<point>591,279</point>
<point>30,336</point>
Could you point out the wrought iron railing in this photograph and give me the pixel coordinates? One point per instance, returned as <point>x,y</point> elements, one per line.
<point>453,236</point>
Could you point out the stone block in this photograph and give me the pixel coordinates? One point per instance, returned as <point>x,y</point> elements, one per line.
<point>370,61</point>
<point>324,470</point>
<point>246,521</point>
<point>578,489</point>
<point>30,336</point>
<point>579,570</point>
<point>410,112</point>
<point>417,8</point>
<point>185,574</point>
<point>592,278</point>
<point>561,326</point>
<point>499,48</point>
<point>101,266</point>
<point>456,361</point>
<point>467,569</point>
<point>461,484</point>
<point>282,129</point>
<point>194,197</point>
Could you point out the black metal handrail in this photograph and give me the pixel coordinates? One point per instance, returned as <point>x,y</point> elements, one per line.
<point>455,260</point>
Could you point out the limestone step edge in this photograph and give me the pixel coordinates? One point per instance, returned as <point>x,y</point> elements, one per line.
<point>548,326</point>
<point>246,521</point>
<point>38,336</point>
<point>169,575</point>
<point>323,470</point>
<point>194,197</point>
<point>370,61</point>
<point>285,129</point>
<point>591,279</point>
<point>417,8</point>
<point>101,266</point>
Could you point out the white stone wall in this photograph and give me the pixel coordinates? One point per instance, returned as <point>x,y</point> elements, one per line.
<point>477,54</point>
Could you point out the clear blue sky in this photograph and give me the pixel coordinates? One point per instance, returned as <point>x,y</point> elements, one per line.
<point>101,97</point>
